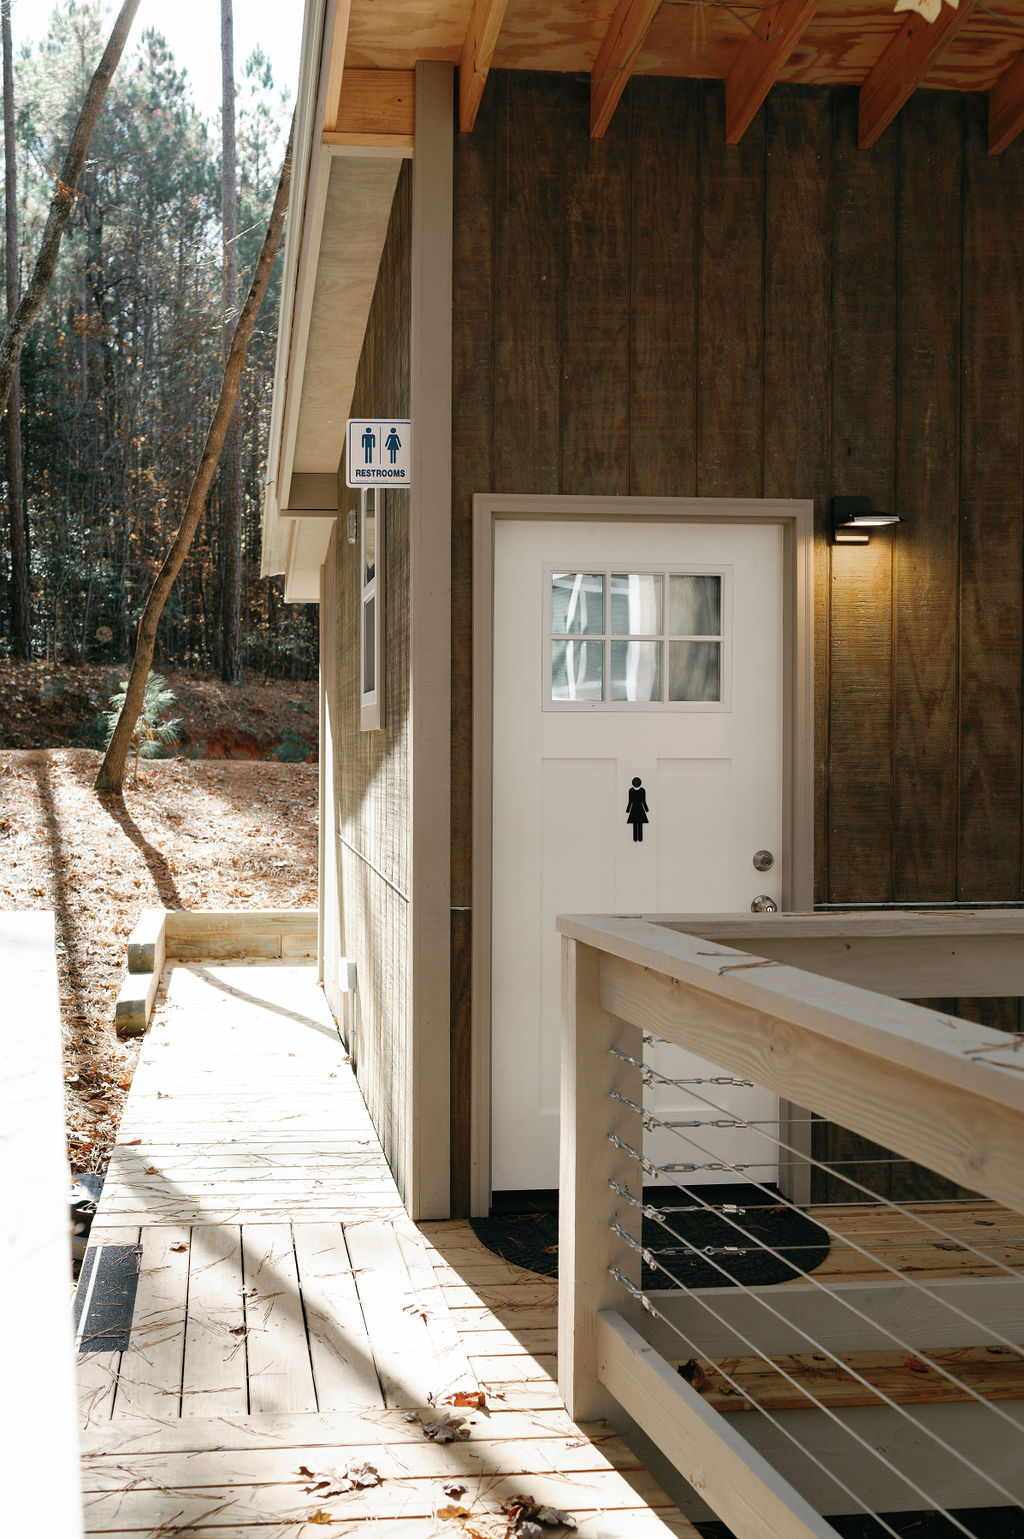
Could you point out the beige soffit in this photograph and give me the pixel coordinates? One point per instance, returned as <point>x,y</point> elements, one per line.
<point>317,17</point>
<point>331,260</point>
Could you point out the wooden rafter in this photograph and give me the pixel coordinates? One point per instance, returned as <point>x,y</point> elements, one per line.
<point>903,65</point>
<point>477,53</point>
<point>375,107</point>
<point>760,60</point>
<point>336,64</point>
<point>616,58</point>
<point>1006,107</point>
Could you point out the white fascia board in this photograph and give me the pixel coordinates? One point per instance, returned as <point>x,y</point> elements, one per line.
<point>300,240</point>
<point>307,545</point>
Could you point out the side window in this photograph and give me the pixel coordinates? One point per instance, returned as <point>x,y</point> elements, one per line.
<point>371,628</point>
<point>637,638</point>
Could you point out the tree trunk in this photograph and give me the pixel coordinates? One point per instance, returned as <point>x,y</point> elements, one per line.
<point>111,774</point>
<point>21,619</point>
<point>231,466</point>
<point>62,203</point>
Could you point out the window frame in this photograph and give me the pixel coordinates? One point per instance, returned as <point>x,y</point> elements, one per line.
<point>371,701</point>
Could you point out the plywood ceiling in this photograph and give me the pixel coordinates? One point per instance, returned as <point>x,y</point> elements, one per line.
<point>750,44</point>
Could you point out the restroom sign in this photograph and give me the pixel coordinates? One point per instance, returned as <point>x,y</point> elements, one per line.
<point>378,452</point>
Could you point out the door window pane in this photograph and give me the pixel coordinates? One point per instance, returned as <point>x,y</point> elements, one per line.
<point>636,604</point>
<point>577,603</point>
<point>636,670</point>
<point>694,609</point>
<point>577,670</point>
<point>694,670</point>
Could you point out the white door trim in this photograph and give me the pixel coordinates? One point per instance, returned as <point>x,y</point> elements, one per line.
<point>796,519</point>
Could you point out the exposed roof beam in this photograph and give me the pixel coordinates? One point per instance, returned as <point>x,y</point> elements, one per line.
<point>760,60</point>
<point>375,107</point>
<point>477,53</point>
<point>902,67</point>
<point>336,62</point>
<point>616,58</point>
<point>1006,107</point>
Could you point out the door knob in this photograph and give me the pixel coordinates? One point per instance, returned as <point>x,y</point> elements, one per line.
<point>764,905</point>
<point>764,860</point>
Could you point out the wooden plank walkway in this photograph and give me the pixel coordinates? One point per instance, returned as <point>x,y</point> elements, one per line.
<point>289,1314</point>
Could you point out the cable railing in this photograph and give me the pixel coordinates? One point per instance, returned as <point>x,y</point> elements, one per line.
<point>795,1363</point>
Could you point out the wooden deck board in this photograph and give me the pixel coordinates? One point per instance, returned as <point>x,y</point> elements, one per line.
<point>341,1356</point>
<point>288,1310</point>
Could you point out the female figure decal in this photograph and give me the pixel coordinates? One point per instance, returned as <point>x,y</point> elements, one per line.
<point>636,809</point>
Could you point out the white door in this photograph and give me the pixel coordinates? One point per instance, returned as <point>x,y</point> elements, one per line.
<point>637,769</point>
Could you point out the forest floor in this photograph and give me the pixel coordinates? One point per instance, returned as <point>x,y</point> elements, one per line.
<point>194,833</point>
<point>43,706</point>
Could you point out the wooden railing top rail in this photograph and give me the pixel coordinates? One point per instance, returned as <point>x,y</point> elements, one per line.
<point>892,924</point>
<point>970,954</point>
<point>930,1086</point>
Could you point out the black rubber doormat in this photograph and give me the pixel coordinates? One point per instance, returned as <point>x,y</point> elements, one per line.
<point>105,1297</point>
<point>720,1248</point>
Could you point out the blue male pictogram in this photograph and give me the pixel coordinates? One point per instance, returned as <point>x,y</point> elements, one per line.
<point>369,438</point>
<point>392,444</point>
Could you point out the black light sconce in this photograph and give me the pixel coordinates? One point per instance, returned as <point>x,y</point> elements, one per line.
<point>851,519</point>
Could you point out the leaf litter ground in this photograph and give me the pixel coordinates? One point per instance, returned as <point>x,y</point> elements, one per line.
<point>234,834</point>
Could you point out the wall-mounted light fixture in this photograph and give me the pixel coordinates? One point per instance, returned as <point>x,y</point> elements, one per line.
<point>851,519</point>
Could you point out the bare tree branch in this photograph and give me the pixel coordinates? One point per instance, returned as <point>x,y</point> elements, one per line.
<point>62,203</point>
<point>111,772</point>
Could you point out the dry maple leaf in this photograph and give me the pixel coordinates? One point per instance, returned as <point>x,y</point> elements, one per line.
<point>180,1247</point>
<point>453,1489</point>
<point>475,1399</point>
<point>319,1516</point>
<point>449,1514</point>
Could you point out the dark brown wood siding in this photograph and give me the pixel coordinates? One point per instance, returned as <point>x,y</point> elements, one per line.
<point>366,877</point>
<point>658,313</point>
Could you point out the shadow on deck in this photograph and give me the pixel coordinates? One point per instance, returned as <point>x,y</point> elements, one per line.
<point>282,1314</point>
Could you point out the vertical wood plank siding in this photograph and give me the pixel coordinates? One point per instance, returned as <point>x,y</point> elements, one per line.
<point>370,769</point>
<point>661,314</point>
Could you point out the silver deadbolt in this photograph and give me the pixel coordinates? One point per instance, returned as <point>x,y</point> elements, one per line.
<point>764,905</point>
<point>764,860</point>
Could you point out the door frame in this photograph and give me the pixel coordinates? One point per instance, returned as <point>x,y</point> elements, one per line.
<point>796,519</point>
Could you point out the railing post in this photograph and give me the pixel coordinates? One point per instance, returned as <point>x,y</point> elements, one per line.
<point>588,1207</point>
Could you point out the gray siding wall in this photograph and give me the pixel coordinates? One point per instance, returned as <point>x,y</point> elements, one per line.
<point>366,846</point>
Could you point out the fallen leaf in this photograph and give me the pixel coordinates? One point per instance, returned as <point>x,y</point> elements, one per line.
<point>151,1170</point>
<point>526,1517</point>
<point>363,1475</point>
<point>449,1514</point>
<point>357,1477</point>
<point>453,1489</point>
<point>130,1141</point>
<point>693,1373</point>
<point>180,1247</point>
<point>319,1516</point>
<point>474,1398</point>
<point>448,1430</point>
